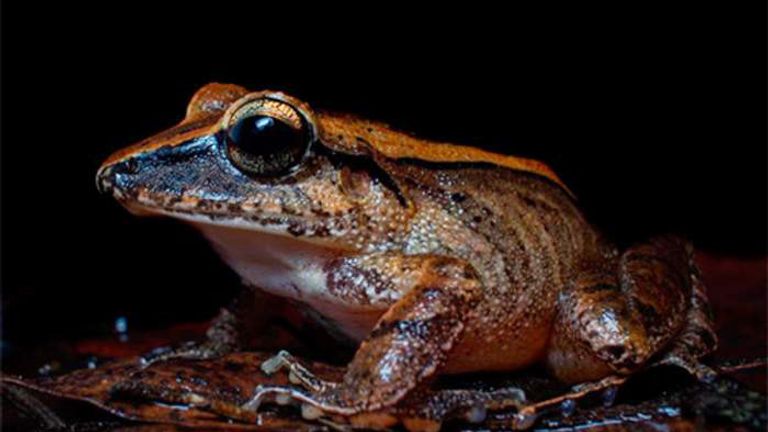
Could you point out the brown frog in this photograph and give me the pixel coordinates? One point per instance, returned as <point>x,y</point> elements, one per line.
<point>432,258</point>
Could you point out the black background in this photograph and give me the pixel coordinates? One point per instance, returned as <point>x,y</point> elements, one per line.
<point>654,115</point>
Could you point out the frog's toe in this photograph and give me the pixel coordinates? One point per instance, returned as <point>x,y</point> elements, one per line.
<point>275,363</point>
<point>313,405</point>
<point>255,402</point>
<point>261,394</point>
<point>297,373</point>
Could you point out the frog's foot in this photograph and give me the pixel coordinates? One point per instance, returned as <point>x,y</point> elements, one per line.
<point>313,405</point>
<point>408,345</point>
<point>297,373</point>
<point>322,407</point>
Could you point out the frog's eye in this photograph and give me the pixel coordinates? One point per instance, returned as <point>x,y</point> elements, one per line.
<point>267,138</point>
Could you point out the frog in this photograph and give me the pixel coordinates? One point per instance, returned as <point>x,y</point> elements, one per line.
<point>431,259</point>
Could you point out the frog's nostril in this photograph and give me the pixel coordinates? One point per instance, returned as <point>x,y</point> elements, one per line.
<point>129,166</point>
<point>114,175</point>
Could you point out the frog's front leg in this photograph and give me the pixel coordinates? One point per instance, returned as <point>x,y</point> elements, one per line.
<point>434,297</point>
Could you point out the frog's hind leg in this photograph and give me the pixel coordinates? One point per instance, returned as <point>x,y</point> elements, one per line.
<point>697,337</point>
<point>614,322</point>
<point>659,277</point>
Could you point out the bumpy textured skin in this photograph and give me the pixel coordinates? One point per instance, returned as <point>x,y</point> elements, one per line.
<point>411,340</point>
<point>451,259</point>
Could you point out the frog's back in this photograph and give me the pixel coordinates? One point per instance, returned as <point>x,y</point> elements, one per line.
<point>519,206</point>
<point>524,235</point>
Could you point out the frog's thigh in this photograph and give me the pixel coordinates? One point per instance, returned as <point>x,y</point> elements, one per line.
<point>613,322</point>
<point>588,314</point>
<point>411,340</point>
<point>663,282</point>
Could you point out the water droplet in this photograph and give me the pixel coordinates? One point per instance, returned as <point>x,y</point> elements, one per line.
<point>706,375</point>
<point>121,325</point>
<point>45,369</point>
<point>567,407</point>
<point>669,411</point>
<point>91,362</point>
<point>609,396</point>
<point>272,365</point>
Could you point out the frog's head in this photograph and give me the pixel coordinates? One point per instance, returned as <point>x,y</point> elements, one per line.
<point>257,162</point>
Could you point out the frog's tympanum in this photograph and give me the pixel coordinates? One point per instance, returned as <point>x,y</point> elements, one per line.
<point>431,258</point>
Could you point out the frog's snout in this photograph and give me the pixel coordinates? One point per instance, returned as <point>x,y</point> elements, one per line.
<point>105,179</point>
<point>107,175</point>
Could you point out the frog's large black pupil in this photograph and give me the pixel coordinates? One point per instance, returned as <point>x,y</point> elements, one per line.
<point>263,145</point>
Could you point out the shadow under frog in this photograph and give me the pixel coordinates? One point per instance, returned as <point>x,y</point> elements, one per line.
<point>432,258</point>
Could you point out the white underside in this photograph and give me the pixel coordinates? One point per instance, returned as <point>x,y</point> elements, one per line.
<point>285,266</point>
